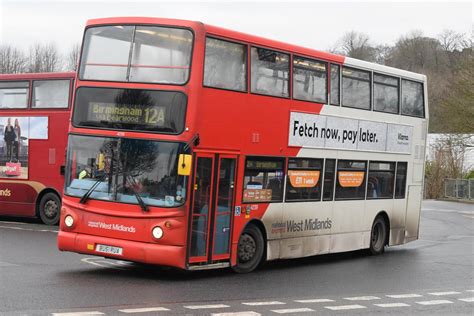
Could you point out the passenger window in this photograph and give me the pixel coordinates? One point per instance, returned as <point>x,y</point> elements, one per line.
<point>269,72</point>
<point>50,94</point>
<point>304,179</point>
<point>401,180</point>
<point>263,179</point>
<point>350,183</point>
<point>335,83</point>
<point>380,180</point>
<point>412,98</point>
<point>355,88</point>
<point>386,93</point>
<point>329,175</point>
<point>309,80</point>
<point>14,95</point>
<point>225,65</point>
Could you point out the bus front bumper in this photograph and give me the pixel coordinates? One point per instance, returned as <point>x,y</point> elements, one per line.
<point>163,255</point>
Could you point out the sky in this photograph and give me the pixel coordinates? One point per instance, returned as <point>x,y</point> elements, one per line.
<point>314,24</point>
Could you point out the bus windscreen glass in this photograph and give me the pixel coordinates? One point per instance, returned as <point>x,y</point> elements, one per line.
<point>119,169</point>
<point>136,54</point>
<point>130,109</point>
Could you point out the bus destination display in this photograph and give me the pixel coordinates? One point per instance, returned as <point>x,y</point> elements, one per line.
<point>127,113</point>
<point>130,109</point>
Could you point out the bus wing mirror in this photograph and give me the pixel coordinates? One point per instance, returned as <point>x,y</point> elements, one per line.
<point>184,164</point>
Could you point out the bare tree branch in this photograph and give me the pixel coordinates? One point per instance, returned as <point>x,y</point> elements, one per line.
<point>44,58</point>
<point>72,57</point>
<point>12,60</point>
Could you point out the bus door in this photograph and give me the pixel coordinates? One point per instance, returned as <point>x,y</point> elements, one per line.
<point>212,205</point>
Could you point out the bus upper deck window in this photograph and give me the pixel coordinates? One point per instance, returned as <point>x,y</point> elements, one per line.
<point>50,94</point>
<point>355,88</point>
<point>412,98</point>
<point>14,94</point>
<point>269,72</point>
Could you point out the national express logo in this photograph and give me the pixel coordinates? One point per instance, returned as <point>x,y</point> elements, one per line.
<point>5,193</point>
<point>299,226</point>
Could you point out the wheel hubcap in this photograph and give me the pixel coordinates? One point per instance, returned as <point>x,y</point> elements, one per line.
<point>247,248</point>
<point>50,209</point>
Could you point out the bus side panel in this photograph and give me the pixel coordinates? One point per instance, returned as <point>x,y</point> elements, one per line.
<point>397,222</point>
<point>17,199</point>
<point>413,212</point>
<point>302,222</point>
<point>47,156</point>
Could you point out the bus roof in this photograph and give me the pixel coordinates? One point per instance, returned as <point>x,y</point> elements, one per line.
<point>259,41</point>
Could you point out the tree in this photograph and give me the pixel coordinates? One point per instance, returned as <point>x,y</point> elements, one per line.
<point>356,45</point>
<point>12,60</point>
<point>446,161</point>
<point>72,57</point>
<point>451,41</point>
<point>44,58</point>
<point>457,104</point>
<point>418,53</point>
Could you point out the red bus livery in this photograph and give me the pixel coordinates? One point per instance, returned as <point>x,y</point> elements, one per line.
<point>197,147</point>
<point>34,118</point>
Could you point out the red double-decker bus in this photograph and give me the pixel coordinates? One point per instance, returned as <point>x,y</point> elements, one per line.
<point>197,147</point>
<point>34,120</point>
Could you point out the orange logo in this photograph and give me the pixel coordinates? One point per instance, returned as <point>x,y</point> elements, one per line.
<point>303,178</point>
<point>350,179</point>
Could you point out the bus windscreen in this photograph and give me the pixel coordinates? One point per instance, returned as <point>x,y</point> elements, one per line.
<point>137,54</point>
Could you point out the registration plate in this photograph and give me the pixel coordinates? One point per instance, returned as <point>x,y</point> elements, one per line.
<point>109,249</point>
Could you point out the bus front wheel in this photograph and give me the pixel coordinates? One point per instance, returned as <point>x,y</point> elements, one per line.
<point>49,209</point>
<point>249,250</point>
<point>378,236</point>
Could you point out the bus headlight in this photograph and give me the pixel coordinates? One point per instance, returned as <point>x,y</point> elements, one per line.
<point>69,221</point>
<point>157,232</point>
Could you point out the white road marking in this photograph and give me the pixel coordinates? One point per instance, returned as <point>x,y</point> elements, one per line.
<point>78,313</point>
<point>344,307</point>
<point>206,306</point>
<point>435,302</point>
<point>293,310</point>
<point>404,295</point>
<point>144,310</point>
<point>392,305</point>
<point>263,303</point>
<point>114,263</point>
<point>16,223</point>
<point>469,216</point>
<point>468,299</point>
<point>444,293</point>
<point>29,229</point>
<point>316,300</point>
<point>7,264</point>
<point>101,263</point>
<point>362,298</point>
<point>469,290</point>
<point>238,314</point>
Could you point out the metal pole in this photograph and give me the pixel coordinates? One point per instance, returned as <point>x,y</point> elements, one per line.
<point>456,187</point>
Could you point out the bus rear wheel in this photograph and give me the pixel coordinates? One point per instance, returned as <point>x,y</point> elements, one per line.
<point>49,209</point>
<point>249,250</point>
<point>378,236</point>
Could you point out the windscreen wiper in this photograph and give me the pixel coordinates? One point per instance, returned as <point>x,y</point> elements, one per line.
<point>86,195</point>
<point>132,182</point>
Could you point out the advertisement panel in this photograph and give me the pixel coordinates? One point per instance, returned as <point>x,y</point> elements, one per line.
<point>333,132</point>
<point>15,134</point>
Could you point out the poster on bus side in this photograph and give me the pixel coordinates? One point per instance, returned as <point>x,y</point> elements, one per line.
<point>15,134</point>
